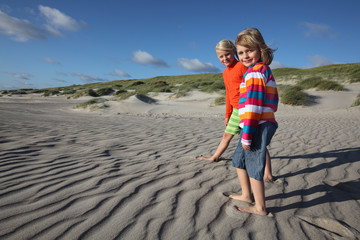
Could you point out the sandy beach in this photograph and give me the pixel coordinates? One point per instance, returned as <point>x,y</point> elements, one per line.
<point>129,171</point>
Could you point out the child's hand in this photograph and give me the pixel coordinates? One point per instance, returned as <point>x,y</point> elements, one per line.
<point>226,121</point>
<point>245,147</point>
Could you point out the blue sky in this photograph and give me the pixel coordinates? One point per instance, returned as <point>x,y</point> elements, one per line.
<point>52,43</point>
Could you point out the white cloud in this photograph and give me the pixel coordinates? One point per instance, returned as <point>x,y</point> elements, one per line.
<point>19,30</point>
<point>144,58</point>
<point>88,78</point>
<point>58,20</point>
<point>318,60</point>
<point>120,73</point>
<point>52,61</point>
<point>24,76</point>
<point>276,64</point>
<point>194,65</point>
<point>22,30</point>
<point>318,30</point>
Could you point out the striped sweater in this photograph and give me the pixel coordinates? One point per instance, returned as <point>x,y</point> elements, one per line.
<point>258,99</point>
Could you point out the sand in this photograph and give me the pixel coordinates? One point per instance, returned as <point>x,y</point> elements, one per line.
<point>129,171</point>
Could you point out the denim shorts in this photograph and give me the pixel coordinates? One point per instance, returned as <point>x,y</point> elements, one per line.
<point>253,161</point>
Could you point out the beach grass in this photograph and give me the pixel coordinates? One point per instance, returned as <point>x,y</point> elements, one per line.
<point>92,104</point>
<point>357,101</point>
<point>330,77</point>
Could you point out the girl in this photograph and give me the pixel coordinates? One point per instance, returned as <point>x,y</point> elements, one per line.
<point>258,102</point>
<point>232,76</point>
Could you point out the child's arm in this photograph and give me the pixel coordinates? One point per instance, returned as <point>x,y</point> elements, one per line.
<point>253,106</point>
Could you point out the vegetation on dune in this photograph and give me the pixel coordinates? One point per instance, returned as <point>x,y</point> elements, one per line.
<point>341,73</point>
<point>292,95</point>
<point>292,83</point>
<point>357,101</point>
<point>92,104</point>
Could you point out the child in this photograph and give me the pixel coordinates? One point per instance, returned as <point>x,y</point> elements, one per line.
<point>232,76</point>
<point>258,102</point>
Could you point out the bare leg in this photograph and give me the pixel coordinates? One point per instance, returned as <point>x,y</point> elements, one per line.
<point>245,187</point>
<point>225,141</point>
<point>259,194</point>
<point>268,173</point>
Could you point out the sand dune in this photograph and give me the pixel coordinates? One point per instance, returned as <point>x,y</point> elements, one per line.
<point>129,171</point>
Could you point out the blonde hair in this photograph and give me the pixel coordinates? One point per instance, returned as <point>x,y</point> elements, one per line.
<point>252,38</point>
<point>227,45</point>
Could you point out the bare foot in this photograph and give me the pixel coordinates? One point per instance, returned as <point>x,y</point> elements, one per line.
<point>252,210</point>
<point>207,158</point>
<point>240,197</point>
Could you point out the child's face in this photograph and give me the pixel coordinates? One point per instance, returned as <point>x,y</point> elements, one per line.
<point>248,56</point>
<point>225,57</point>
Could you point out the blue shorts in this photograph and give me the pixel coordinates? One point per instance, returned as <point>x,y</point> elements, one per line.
<point>253,161</point>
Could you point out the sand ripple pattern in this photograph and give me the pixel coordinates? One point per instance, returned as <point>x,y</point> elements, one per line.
<point>68,175</point>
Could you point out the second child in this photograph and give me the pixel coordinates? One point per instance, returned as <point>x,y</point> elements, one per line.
<point>257,105</point>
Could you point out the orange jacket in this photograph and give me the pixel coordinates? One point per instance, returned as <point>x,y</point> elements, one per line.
<point>233,75</point>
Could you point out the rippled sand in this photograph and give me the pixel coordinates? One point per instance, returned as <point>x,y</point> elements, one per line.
<point>68,174</point>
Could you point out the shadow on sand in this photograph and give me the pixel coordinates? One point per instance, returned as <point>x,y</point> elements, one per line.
<point>332,191</point>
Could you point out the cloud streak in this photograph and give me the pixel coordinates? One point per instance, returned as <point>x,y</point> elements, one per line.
<point>144,58</point>
<point>23,76</point>
<point>88,78</point>
<point>52,61</point>
<point>276,64</point>
<point>120,73</point>
<point>19,30</point>
<point>318,60</point>
<point>318,30</point>
<point>195,65</point>
<point>22,30</point>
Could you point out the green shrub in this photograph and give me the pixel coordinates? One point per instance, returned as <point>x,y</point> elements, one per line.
<point>182,91</point>
<point>357,101</point>
<point>160,84</point>
<point>47,93</point>
<point>293,95</point>
<point>308,83</point>
<point>118,92</point>
<point>104,91</point>
<point>91,93</point>
<point>221,100</point>
<point>69,91</point>
<point>320,84</point>
<point>93,104</point>
<point>137,83</point>
<point>123,94</point>
<point>330,85</point>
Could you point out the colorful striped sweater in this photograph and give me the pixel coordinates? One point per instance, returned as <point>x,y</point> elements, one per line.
<point>258,99</point>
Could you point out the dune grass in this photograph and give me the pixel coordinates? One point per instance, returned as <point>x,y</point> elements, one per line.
<point>341,73</point>
<point>92,104</point>
<point>330,77</point>
<point>357,101</point>
<point>292,95</point>
<point>320,84</point>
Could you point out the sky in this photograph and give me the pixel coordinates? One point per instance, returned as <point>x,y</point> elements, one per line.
<point>55,43</point>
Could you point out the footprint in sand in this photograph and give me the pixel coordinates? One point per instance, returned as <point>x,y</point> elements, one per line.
<point>332,227</point>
